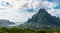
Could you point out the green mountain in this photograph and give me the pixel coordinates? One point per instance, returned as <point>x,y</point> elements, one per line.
<point>42,20</point>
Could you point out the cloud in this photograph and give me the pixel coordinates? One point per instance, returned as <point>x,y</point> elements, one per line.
<point>16,13</point>
<point>52,12</point>
<point>22,10</point>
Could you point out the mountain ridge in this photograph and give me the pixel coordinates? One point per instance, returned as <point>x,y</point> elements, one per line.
<point>42,20</point>
<point>5,23</point>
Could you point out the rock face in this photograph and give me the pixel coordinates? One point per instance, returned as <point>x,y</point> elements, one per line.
<point>5,23</point>
<point>42,20</point>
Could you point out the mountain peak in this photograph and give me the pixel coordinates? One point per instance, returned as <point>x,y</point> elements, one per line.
<point>42,14</point>
<point>42,11</point>
<point>42,20</point>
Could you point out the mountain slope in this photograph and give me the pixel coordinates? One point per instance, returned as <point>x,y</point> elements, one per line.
<point>5,23</point>
<point>42,20</point>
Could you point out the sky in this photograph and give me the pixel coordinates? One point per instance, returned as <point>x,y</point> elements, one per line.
<point>22,10</point>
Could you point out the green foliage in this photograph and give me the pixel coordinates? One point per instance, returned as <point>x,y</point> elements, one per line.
<point>23,30</point>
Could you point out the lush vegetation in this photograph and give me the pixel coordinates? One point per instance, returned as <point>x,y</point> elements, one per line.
<point>23,30</point>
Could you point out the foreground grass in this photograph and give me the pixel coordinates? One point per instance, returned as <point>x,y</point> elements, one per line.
<point>21,30</point>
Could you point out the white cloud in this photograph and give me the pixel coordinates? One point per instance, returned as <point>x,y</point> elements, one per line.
<point>52,12</point>
<point>14,15</point>
<point>16,12</point>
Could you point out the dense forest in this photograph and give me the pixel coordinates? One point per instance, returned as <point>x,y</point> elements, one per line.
<point>22,30</point>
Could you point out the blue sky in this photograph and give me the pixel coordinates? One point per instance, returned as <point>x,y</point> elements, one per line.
<point>56,1</point>
<point>57,7</point>
<point>22,10</point>
<point>50,0</point>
